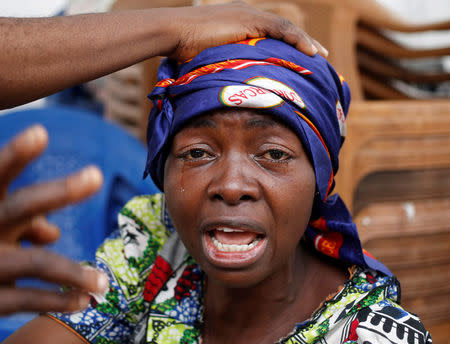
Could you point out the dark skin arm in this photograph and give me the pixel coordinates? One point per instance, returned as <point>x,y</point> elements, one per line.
<point>43,329</point>
<point>41,56</point>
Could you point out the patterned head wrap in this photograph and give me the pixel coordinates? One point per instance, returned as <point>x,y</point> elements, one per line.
<point>303,92</point>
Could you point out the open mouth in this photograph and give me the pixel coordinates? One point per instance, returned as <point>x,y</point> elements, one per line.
<point>233,247</point>
<point>234,240</point>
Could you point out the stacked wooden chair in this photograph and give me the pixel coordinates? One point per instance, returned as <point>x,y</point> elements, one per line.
<point>403,218</point>
<point>399,137</point>
<point>381,63</point>
<point>410,238</point>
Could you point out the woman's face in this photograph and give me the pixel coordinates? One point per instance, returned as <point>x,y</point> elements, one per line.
<point>239,190</point>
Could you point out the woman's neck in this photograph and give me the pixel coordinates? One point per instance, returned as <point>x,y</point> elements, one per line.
<point>269,311</point>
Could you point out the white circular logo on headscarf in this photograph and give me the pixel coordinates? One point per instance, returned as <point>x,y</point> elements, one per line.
<point>261,92</point>
<point>249,97</point>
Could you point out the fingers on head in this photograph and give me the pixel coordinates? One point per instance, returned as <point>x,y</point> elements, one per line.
<point>293,35</point>
<point>281,28</point>
<point>50,267</point>
<point>320,48</point>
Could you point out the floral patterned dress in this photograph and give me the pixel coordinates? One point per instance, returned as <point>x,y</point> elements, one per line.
<point>156,294</point>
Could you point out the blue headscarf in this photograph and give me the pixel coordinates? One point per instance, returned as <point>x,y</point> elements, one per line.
<point>303,92</point>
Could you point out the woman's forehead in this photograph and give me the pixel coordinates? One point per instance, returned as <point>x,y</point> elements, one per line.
<point>247,118</point>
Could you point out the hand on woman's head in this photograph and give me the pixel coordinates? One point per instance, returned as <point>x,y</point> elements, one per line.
<point>22,216</point>
<point>198,28</point>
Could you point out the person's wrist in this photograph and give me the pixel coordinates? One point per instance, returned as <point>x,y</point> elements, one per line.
<point>166,32</point>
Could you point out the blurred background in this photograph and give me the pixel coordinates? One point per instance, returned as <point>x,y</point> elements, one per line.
<point>395,166</point>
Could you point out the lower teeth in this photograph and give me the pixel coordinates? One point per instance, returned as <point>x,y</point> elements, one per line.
<point>234,247</point>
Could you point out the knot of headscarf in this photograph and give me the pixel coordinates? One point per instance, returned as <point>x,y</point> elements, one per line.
<point>303,92</point>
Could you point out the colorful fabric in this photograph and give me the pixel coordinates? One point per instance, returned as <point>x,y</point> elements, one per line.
<point>156,294</point>
<point>265,74</point>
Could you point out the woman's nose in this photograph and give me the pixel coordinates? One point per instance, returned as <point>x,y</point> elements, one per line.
<point>234,181</point>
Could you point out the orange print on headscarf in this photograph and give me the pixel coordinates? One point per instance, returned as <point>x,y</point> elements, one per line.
<point>329,243</point>
<point>251,41</point>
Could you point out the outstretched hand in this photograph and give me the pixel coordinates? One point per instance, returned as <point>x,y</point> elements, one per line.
<point>22,216</point>
<point>198,28</point>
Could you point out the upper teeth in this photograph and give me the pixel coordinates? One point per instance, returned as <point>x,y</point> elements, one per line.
<point>234,247</point>
<point>229,230</point>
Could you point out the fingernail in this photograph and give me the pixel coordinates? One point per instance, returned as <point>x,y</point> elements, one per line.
<point>40,133</point>
<point>321,48</point>
<point>35,134</point>
<point>315,50</point>
<point>102,282</point>
<point>91,174</point>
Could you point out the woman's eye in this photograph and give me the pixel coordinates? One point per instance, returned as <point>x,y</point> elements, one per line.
<point>195,153</point>
<point>276,154</point>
